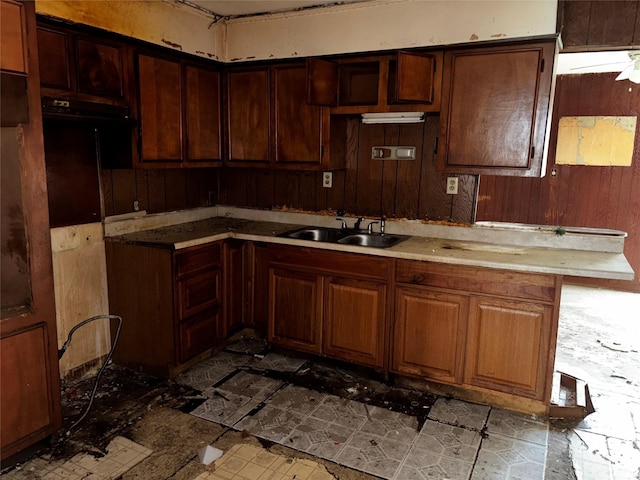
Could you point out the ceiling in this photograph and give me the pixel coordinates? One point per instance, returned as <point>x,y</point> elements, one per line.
<point>234,8</point>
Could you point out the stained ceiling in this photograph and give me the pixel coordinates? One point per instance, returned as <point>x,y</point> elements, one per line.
<point>243,8</point>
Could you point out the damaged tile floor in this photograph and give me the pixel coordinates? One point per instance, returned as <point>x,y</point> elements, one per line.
<point>283,417</point>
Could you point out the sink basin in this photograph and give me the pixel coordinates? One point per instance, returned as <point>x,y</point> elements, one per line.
<point>316,234</point>
<point>372,240</point>
<point>344,236</point>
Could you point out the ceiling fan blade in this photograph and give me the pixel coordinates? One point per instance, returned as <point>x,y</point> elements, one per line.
<point>582,67</point>
<point>624,75</point>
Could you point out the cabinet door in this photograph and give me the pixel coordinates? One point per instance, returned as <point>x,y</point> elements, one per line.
<point>198,334</point>
<point>26,380</point>
<point>53,55</point>
<point>508,345</point>
<point>99,68</point>
<point>13,37</point>
<point>298,126</point>
<point>429,334</point>
<point>295,310</point>
<point>248,110</point>
<point>203,115</point>
<point>160,94</point>
<point>415,78</point>
<point>495,107</point>
<point>355,321</point>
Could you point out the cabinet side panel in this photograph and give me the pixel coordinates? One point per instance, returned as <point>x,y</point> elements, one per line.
<point>140,291</point>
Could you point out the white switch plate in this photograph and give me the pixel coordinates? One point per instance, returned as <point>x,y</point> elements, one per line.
<point>452,185</point>
<point>327,179</point>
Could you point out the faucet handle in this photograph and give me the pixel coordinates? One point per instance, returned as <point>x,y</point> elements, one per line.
<point>344,224</point>
<point>358,222</point>
<point>370,227</point>
<point>382,220</point>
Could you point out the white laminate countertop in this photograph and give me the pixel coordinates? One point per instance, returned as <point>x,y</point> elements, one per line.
<point>595,255</point>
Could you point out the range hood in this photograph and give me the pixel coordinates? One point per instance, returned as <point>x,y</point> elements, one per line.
<point>393,117</point>
<point>77,110</point>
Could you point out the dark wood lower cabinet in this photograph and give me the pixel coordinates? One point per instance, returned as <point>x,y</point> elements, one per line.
<point>486,330</point>
<point>508,346</point>
<point>430,330</point>
<point>355,320</point>
<point>169,301</point>
<point>329,303</point>
<point>295,310</point>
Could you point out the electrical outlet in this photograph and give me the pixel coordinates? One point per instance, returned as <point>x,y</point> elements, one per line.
<point>327,179</point>
<point>452,185</point>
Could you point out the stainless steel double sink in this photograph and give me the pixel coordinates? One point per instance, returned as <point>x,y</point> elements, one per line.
<point>345,236</point>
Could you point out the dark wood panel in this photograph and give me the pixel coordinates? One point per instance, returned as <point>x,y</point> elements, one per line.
<point>583,196</point>
<point>124,190</point>
<point>248,115</point>
<point>328,262</point>
<point>612,23</point>
<point>25,384</point>
<point>598,24</point>
<point>528,286</point>
<point>176,189</point>
<point>160,109</point>
<point>203,114</point>
<point>54,59</point>
<point>72,174</point>
<point>99,68</point>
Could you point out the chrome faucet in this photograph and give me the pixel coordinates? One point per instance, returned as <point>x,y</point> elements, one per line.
<point>370,227</point>
<point>382,219</point>
<point>358,222</point>
<point>344,224</point>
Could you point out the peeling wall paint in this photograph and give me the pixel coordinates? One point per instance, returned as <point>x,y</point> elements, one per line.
<point>386,24</point>
<point>348,28</point>
<point>596,141</point>
<point>166,24</point>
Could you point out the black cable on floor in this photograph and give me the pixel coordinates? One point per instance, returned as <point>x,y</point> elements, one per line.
<point>104,365</point>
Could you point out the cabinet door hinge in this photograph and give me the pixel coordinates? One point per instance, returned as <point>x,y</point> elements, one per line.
<point>533,152</point>
<point>435,146</point>
<point>542,66</point>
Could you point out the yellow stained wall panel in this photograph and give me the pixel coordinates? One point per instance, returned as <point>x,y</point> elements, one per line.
<point>596,141</point>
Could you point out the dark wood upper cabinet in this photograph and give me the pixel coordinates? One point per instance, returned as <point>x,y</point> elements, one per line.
<point>248,114</point>
<point>99,68</point>
<point>203,114</point>
<point>54,59</point>
<point>179,113</point>
<point>405,81</point>
<point>160,97</point>
<point>270,123</point>
<point>496,103</point>
<point>83,67</point>
<point>300,135</point>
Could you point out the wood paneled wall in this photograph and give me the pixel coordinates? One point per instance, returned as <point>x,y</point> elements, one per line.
<point>158,190</point>
<point>403,189</point>
<point>599,24</point>
<point>581,196</point>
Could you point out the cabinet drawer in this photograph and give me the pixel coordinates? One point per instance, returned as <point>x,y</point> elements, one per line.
<point>198,334</point>
<point>199,258</point>
<point>325,261</point>
<point>480,280</point>
<point>198,292</point>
